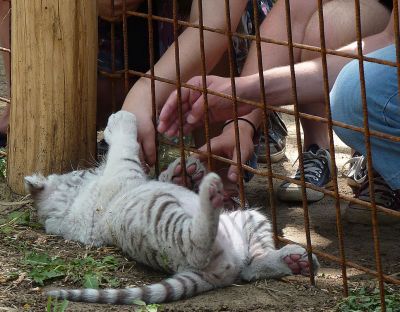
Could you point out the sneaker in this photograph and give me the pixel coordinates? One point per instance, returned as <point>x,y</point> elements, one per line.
<point>317,170</point>
<point>277,134</point>
<point>384,196</point>
<point>357,172</point>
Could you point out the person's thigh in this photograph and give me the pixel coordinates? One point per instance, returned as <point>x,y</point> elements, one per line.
<point>340,24</point>
<point>382,95</point>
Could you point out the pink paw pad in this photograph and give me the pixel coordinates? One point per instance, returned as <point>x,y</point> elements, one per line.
<point>216,196</point>
<point>298,264</point>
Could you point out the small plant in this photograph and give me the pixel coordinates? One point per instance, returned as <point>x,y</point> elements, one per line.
<point>88,272</point>
<point>141,306</point>
<point>3,163</point>
<point>55,306</point>
<point>367,299</point>
<point>8,223</point>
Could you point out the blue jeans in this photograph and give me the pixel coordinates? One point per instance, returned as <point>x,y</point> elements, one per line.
<point>383,111</point>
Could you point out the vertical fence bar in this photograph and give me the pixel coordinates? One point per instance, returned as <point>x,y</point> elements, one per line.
<point>113,93</point>
<point>339,227</point>
<point>396,38</point>
<point>298,136</point>
<point>375,229</point>
<point>125,40</point>
<point>204,81</point>
<point>152,81</point>
<point>234,97</point>
<point>266,123</point>
<point>178,89</point>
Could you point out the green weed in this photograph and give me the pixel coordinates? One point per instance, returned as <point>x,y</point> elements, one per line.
<point>55,306</point>
<point>88,272</point>
<point>367,299</point>
<point>3,164</point>
<point>15,218</point>
<point>141,306</point>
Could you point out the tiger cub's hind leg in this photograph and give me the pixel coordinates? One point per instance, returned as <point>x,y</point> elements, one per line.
<point>204,224</point>
<point>289,260</point>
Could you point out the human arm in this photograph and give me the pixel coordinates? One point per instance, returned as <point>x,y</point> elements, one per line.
<point>139,101</point>
<point>278,86</point>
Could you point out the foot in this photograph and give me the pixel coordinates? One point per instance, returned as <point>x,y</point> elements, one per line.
<point>317,171</point>
<point>384,196</point>
<point>119,124</point>
<point>196,171</point>
<point>296,259</point>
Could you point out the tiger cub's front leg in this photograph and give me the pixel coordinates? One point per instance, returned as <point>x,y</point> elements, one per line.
<point>123,154</point>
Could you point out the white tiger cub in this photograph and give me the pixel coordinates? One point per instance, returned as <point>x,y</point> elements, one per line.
<point>162,225</point>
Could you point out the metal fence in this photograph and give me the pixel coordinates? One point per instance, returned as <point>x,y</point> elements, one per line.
<point>127,73</point>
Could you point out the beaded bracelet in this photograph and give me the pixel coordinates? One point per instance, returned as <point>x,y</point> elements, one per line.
<point>244,119</point>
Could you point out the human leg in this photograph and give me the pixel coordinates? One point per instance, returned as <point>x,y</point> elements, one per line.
<point>383,105</point>
<point>374,17</point>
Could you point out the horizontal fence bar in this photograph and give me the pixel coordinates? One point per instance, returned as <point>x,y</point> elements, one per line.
<point>265,173</point>
<point>120,74</point>
<point>267,40</point>
<point>351,264</point>
<point>4,100</point>
<point>5,50</point>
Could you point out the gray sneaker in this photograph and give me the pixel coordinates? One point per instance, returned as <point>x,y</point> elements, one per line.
<point>317,171</point>
<point>277,134</point>
<point>384,196</point>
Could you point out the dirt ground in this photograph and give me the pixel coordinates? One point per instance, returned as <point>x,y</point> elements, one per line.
<point>19,293</point>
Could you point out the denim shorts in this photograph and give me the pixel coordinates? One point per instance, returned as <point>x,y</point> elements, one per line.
<point>383,104</point>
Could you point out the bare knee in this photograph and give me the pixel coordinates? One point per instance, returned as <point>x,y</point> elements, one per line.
<point>340,24</point>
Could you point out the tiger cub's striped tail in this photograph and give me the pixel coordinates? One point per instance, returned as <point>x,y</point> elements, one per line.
<point>180,286</point>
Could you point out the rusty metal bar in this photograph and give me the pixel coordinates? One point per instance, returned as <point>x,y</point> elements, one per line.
<point>154,112</point>
<point>396,37</point>
<point>113,69</point>
<point>265,124</point>
<point>178,90</point>
<point>125,39</point>
<point>232,71</point>
<point>4,100</point>
<point>339,227</point>
<point>351,264</point>
<point>375,229</point>
<point>204,81</point>
<point>134,73</point>
<point>267,40</point>
<point>298,137</point>
<point>5,50</point>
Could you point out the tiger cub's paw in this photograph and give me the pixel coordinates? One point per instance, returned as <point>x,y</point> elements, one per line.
<point>119,124</point>
<point>212,187</point>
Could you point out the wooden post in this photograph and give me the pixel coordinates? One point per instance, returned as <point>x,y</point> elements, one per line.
<point>53,87</point>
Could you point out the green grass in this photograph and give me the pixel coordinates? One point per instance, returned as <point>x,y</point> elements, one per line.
<point>8,223</point>
<point>87,272</point>
<point>368,299</point>
<point>54,306</point>
<point>3,164</point>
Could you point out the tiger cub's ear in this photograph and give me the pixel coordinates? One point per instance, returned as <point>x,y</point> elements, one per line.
<point>35,184</point>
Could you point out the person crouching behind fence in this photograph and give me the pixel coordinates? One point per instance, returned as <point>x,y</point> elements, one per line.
<point>382,97</point>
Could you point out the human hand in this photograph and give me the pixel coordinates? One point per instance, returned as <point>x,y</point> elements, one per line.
<point>225,145</point>
<point>193,107</point>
